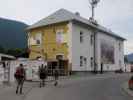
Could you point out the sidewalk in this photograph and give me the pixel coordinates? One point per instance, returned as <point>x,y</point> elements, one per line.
<point>126,89</point>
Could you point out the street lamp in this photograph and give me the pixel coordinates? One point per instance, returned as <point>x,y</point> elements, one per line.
<point>93,4</point>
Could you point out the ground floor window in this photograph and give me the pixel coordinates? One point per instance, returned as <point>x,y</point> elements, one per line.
<point>91,61</point>
<point>81,61</point>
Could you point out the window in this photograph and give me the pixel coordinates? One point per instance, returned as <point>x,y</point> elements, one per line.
<point>59,36</point>
<point>38,38</point>
<point>35,39</point>
<point>91,61</point>
<point>31,41</point>
<point>81,61</point>
<point>85,60</point>
<point>92,39</point>
<point>81,37</point>
<point>38,42</point>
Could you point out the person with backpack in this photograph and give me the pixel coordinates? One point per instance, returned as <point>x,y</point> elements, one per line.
<point>20,78</point>
<point>42,75</point>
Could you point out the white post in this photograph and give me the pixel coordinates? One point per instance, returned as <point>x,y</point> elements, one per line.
<point>12,71</point>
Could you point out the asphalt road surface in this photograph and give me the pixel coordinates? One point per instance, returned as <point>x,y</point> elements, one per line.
<point>91,87</point>
<point>99,87</point>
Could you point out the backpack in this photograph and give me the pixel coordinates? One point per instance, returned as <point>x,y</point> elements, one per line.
<point>42,73</point>
<point>19,72</point>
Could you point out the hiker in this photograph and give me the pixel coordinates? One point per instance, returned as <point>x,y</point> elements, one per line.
<point>20,77</point>
<point>42,75</point>
<point>56,76</point>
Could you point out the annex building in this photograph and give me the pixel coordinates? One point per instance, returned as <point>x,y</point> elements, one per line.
<point>86,45</point>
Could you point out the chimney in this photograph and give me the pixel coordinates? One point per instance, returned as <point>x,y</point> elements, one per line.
<point>77,13</point>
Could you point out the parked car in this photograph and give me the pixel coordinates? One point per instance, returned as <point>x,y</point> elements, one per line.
<point>130,83</point>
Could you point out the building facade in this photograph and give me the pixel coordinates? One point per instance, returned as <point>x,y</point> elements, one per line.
<point>86,45</point>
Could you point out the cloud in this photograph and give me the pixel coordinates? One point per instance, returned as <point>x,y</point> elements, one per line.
<point>117,16</point>
<point>114,10</point>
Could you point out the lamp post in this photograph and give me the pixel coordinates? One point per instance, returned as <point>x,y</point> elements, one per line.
<point>93,4</point>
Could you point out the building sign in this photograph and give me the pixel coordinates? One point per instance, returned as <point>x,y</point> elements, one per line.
<point>107,52</point>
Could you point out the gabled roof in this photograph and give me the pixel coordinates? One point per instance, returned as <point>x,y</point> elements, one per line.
<point>63,15</point>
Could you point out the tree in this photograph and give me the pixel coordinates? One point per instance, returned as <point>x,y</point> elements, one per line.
<point>15,52</point>
<point>2,50</point>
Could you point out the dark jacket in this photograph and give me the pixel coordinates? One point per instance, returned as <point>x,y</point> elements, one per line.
<point>42,73</point>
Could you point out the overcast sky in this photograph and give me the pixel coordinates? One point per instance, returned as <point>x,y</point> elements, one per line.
<point>116,15</point>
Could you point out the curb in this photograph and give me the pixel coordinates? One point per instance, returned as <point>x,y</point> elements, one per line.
<point>126,89</point>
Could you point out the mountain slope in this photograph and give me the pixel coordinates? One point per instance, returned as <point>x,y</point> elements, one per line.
<point>12,34</point>
<point>130,57</point>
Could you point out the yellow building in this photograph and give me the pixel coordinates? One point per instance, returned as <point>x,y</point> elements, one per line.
<point>50,39</point>
<point>49,42</point>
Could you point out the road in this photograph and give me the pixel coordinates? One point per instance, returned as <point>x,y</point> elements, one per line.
<point>99,87</point>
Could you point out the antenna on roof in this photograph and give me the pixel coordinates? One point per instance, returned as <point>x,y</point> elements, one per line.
<point>93,4</point>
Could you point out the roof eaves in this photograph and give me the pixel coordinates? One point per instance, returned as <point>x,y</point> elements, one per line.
<point>114,35</point>
<point>102,30</point>
<point>33,27</point>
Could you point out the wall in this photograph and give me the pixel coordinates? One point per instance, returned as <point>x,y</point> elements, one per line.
<point>118,53</point>
<point>84,49</point>
<point>49,45</point>
<point>1,74</point>
<point>30,66</point>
